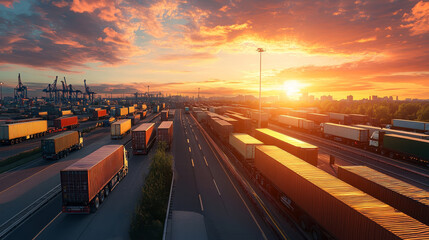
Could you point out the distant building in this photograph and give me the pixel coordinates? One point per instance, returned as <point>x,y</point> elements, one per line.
<point>326,98</point>
<point>350,98</point>
<point>374,98</point>
<point>397,98</point>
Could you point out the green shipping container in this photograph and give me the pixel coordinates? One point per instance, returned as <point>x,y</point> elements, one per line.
<point>402,144</point>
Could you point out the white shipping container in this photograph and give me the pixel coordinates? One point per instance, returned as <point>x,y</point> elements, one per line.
<point>244,144</point>
<point>401,123</point>
<point>120,127</point>
<point>337,116</point>
<point>307,124</point>
<point>347,132</point>
<point>289,120</point>
<point>24,129</point>
<point>255,116</point>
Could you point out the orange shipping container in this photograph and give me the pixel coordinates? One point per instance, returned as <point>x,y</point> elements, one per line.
<point>165,132</point>
<point>398,194</point>
<point>303,150</point>
<point>142,137</point>
<point>342,210</point>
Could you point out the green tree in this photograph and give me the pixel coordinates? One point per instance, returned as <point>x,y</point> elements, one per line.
<point>423,114</point>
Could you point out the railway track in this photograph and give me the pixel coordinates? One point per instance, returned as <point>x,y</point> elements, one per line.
<point>413,174</point>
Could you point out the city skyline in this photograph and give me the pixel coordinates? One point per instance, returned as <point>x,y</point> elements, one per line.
<point>359,48</point>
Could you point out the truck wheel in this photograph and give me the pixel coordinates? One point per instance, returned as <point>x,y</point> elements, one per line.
<point>304,223</point>
<point>107,191</point>
<point>315,233</point>
<point>95,205</point>
<point>102,196</point>
<point>12,142</point>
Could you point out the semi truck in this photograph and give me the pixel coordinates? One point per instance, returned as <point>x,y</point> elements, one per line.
<point>61,145</point>
<point>97,114</point>
<point>244,145</point>
<point>164,115</point>
<point>120,128</point>
<point>165,133</point>
<point>17,132</point>
<point>86,183</point>
<point>327,207</point>
<point>417,126</point>
<point>187,110</point>
<point>401,147</point>
<point>143,138</point>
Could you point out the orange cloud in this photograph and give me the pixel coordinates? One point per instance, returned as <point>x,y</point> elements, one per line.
<point>418,19</point>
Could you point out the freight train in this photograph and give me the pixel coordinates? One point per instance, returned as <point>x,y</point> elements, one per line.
<point>280,169</point>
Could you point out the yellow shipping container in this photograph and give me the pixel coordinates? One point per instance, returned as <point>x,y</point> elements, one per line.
<point>120,127</point>
<point>24,129</point>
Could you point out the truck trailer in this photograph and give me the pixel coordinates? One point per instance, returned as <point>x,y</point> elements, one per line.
<point>61,145</point>
<point>143,138</point>
<point>328,207</point>
<point>404,147</point>
<point>86,183</point>
<point>120,128</point>
<point>165,133</point>
<point>66,122</point>
<point>347,134</point>
<point>164,115</point>
<point>17,132</point>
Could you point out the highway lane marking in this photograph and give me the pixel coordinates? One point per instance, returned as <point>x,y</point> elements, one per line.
<point>216,186</point>
<point>196,138</point>
<point>205,160</point>
<point>201,202</point>
<point>47,225</point>
<point>192,160</point>
<point>187,140</point>
<point>199,146</point>
<point>190,149</point>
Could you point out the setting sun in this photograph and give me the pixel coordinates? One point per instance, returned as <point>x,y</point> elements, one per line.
<point>292,89</point>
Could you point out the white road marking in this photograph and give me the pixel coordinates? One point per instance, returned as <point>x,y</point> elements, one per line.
<point>192,160</point>
<point>199,146</point>
<point>189,149</point>
<point>201,202</point>
<point>205,160</point>
<point>187,140</point>
<point>196,138</point>
<point>216,186</point>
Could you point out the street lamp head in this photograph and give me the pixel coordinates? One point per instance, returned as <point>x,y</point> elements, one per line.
<point>260,50</point>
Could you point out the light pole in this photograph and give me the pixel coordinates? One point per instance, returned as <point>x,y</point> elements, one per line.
<point>260,50</point>
<point>1,91</point>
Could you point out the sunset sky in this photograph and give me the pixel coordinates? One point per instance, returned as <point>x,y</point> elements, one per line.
<point>328,47</point>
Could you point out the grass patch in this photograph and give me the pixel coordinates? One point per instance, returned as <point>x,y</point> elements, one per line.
<point>149,216</point>
<point>19,159</point>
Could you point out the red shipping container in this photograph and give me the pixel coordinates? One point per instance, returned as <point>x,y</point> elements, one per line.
<point>165,132</point>
<point>142,137</point>
<point>342,210</point>
<point>303,150</point>
<point>63,122</point>
<point>81,181</point>
<point>164,115</point>
<point>99,113</point>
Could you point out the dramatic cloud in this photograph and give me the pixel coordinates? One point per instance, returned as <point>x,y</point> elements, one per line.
<point>376,41</point>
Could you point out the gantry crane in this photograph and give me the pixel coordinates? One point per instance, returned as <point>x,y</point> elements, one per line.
<point>89,92</point>
<point>20,92</point>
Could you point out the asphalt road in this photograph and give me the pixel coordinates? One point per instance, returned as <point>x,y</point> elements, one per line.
<point>37,179</point>
<point>203,186</point>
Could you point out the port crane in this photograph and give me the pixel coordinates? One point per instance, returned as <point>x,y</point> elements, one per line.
<point>20,91</point>
<point>89,92</point>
